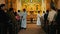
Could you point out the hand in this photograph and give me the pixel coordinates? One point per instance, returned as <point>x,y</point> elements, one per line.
<point>23,19</point>
<point>21,16</point>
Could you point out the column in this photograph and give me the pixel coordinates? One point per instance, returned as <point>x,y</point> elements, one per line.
<point>19,7</point>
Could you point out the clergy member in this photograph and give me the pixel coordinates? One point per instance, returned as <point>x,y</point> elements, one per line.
<point>24,14</point>
<point>38,19</point>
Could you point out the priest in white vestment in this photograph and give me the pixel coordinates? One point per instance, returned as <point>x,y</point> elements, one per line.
<point>38,18</point>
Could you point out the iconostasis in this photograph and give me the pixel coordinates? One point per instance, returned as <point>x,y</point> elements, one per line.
<point>33,5</point>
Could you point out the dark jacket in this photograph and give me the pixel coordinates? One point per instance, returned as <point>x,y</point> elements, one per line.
<point>3,17</point>
<point>58,18</point>
<point>45,16</point>
<point>12,17</point>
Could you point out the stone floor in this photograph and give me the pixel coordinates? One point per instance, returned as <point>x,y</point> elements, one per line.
<point>32,29</point>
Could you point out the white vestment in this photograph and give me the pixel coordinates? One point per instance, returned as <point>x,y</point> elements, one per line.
<point>20,14</point>
<point>38,19</point>
<point>23,24</point>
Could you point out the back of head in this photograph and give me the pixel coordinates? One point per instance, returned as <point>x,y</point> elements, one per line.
<point>10,9</point>
<point>18,10</point>
<point>53,8</point>
<point>43,11</point>
<point>47,11</point>
<point>24,9</point>
<point>2,5</point>
<point>38,11</point>
<point>15,13</point>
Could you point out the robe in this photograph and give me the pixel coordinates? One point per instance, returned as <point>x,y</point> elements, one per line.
<point>23,24</point>
<point>38,19</point>
<point>20,14</point>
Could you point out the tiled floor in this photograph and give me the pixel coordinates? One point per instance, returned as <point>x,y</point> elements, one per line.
<point>32,29</point>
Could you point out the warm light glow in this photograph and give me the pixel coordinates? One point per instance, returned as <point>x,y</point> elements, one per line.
<point>33,5</point>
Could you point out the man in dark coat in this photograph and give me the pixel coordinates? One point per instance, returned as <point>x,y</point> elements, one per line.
<point>13,23</point>
<point>58,21</point>
<point>3,20</point>
<point>45,20</point>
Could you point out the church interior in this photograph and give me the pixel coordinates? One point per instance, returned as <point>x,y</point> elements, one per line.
<point>32,7</point>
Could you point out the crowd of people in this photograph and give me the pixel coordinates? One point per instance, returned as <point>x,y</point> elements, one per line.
<point>11,22</point>
<point>51,21</point>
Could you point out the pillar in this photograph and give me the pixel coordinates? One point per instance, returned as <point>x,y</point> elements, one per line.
<point>19,6</point>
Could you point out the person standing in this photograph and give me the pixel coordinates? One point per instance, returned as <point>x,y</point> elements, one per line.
<point>58,21</point>
<point>3,20</point>
<point>43,13</point>
<point>12,22</point>
<point>38,19</point>
<point>51,18</point>
<point>23,24</point>
<point>20,21</point>
<point>42,18</point>
<point>45,17</point>
<point>58,17</point>
<point>45,21</point>
<point>20,14</point>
